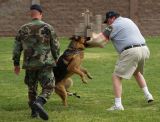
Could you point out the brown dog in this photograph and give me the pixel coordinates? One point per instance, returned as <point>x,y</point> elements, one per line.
<point>68,64</point>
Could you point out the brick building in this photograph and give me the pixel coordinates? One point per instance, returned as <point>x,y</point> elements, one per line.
<point>65,15</point>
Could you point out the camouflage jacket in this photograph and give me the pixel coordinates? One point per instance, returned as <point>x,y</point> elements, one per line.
<point>39,44</point>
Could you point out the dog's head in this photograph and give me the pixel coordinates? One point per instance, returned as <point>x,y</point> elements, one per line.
<point>78,42</point>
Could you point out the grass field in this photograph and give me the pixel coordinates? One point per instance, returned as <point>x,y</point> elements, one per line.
<point>96,96</point>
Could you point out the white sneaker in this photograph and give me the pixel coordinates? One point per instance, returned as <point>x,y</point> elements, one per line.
<point>149,98</point>
<point>116,108</point>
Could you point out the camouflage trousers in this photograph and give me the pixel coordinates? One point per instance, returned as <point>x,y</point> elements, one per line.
<point>45,78</point>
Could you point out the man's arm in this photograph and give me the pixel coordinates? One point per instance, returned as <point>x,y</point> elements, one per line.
<point>17,53</point>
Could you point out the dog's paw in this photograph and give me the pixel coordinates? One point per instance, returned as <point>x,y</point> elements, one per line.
<point>90,77</point>
<point>84,80</point>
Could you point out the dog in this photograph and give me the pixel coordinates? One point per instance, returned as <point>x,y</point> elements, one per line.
<point>68,64</point>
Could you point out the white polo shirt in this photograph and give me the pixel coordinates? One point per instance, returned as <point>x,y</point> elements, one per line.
<point>123,32</point>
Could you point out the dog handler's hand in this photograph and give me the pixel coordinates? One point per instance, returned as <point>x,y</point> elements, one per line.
<point>16,70</point>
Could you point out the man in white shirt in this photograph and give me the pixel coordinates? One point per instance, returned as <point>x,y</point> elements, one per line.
<point>133,51</point>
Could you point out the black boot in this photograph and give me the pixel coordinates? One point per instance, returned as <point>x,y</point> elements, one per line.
<point>38,106</point>
<point>34,113</point>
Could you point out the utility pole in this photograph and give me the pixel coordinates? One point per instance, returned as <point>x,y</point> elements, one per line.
<point>87,14</point>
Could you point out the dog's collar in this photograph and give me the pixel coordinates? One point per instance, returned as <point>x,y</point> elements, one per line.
<point>71,51</point>
<point>75,49</point>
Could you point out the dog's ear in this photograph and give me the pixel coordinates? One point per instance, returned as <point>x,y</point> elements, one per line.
<point>75,38</point>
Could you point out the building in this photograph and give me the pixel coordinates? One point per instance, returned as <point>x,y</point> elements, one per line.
<point>65,15</point>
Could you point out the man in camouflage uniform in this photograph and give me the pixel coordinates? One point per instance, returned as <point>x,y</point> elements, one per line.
<point>40,47</point>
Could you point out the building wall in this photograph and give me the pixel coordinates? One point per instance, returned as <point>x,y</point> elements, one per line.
<point>149,17</point>
<point>65,15</point>
<point>13,13</point>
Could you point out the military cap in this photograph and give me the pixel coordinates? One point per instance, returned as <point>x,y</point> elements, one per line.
<point>36,7</point>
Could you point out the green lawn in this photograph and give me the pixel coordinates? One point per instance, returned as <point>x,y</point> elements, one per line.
<point>96,96</point>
